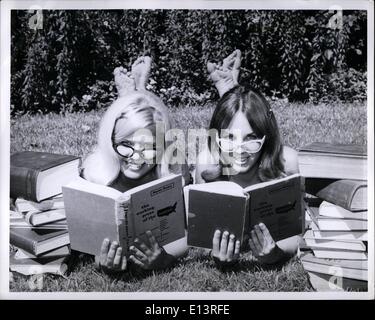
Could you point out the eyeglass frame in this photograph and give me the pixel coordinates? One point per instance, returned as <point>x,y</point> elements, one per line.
<point>124,144</point>
<point>240,145</point>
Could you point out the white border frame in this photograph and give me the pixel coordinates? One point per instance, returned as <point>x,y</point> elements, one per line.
<point>6,6</point>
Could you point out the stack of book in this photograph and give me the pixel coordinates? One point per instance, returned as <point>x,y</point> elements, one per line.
<point>335,242</point>
<point>39,233</point>
<point>38,226</point>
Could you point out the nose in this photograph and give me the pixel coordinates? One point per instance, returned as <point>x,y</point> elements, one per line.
<point>138,147</point>
<point>135,156</point>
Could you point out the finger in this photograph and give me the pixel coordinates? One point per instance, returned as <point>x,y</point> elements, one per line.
<point>237,250</point>
<point>117,259</point>
<point>111,254</point>
<point>229,60</point>
<point>222,73</point>
<point>104,251</point>
<point>136,261</point>
<point>260,236</point>
<point>124,263</point>
<point>224,244</point>
<point>253,248</point>
<point>138,253</point>
<point>237,61</point>
<point>266,234</point>
<point>142,246</point>
<point>231,247</point>
<point>256,241</point>
<point>216,242</point>
<point>151,238</point>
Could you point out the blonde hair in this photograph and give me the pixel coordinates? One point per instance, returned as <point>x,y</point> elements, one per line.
<point>103,165</point>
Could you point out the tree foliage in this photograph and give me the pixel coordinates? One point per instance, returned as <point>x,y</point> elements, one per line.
<point>299,55</point>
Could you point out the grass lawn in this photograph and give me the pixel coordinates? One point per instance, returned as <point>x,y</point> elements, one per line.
<point>76,134</point>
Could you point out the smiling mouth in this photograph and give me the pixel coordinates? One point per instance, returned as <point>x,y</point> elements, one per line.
<point>241,161</point>
<point>133,166</point>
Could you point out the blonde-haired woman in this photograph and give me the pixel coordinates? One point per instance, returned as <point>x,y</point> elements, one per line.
<point>125,157</point>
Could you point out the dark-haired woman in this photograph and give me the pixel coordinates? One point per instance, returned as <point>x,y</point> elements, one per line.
<point>244,147</point>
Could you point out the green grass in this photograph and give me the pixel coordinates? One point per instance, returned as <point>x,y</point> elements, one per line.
<point>76,134</point>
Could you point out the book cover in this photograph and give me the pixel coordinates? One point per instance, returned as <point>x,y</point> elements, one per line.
<point>334,161</point>
<point>56,253</point>
<point>335,148</point>
<point>38,241</point>
<point>223,212</point>
<point>349,194</point>
<point>227,206</point>
<point>95,212</point>
<point>37,218</point>
<point>36,176</point>
<point>278,204</point>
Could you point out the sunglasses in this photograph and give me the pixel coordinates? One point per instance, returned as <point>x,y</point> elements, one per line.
<point>252,146</point>
<point>126,150</point>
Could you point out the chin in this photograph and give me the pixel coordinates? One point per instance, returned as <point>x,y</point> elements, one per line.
<point>241,168</point>
<point>135,171</point>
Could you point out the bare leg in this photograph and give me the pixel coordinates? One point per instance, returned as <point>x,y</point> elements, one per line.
<point>225,77</point>
<point>141,72</point>
<point>124,81</point>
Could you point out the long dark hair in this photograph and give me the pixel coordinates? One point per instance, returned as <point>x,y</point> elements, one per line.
<point>261,118</point>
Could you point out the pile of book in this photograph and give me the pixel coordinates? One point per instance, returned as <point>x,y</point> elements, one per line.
<point>335,242</point>
<point>38,227</point>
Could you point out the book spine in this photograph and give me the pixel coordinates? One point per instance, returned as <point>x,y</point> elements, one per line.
<point>22,243</point>
<point>23,183</point>
<point>124,224</point>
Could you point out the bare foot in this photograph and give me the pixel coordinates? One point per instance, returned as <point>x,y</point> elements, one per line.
<point>141,72</point>
<point>225,77</point>
<point>222,78</point>
<point>233,63</point>
<point>124,81</point>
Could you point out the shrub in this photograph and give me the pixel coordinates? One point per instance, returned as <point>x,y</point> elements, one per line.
<point>297,54</point>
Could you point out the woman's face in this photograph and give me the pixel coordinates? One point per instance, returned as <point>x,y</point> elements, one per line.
<point>137,153</point>
<point>236,138</point>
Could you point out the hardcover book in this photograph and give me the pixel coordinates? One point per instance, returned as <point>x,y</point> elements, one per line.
<point>56,253</point>
<point>37,176</point>
<point>339,254</point>
<point>340,235</point>
<point>37,218</point>
<point>313,242</point>
<point>327,282</point>
<point>38,241</point>
<point>227,206</point>
<point>37,266</point>
<point>327,209</point>
<point>334,224</point>
<point>334,161</point>
<point>53,203</point>
<point>95,212</point>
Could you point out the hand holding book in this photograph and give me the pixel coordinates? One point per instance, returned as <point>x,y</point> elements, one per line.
<point>147,257</point>
<point>150,257</point>
<point>224,252</point>
<point>263,246</point>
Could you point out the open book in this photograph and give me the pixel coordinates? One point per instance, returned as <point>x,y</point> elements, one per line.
<point>95,212</point>
<point>227,206</point>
